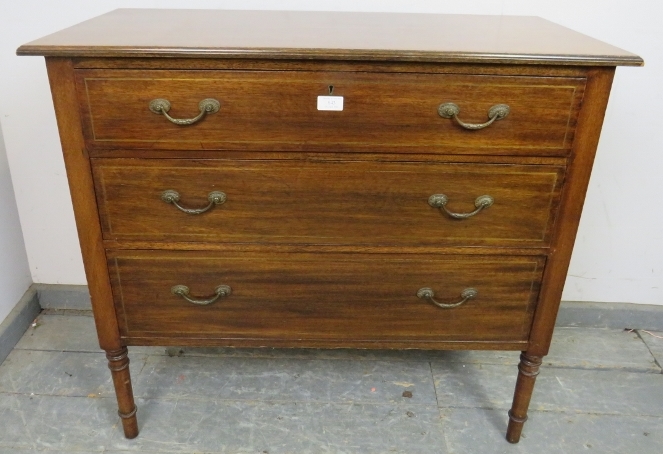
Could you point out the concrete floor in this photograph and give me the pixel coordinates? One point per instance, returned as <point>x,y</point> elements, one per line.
<point>599,391</point>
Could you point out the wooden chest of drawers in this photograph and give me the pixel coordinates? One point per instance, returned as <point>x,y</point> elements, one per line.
<point>274,182</point>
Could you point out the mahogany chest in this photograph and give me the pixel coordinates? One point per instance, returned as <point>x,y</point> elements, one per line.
<point>355,180</point>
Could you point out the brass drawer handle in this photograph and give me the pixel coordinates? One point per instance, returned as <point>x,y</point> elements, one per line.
<point>451,110</point>
<point>440,201</point>
<point>182,290</point>
<point>428,294</point>
<point>214,197</point>
<point>161,106</point>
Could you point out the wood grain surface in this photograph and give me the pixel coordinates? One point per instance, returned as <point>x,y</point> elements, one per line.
<point>324,296</point>
<point>327,203</point>
<point>573,198</point>
<point>328,35</point>
<point>81,187</point>
<point>277,110</point>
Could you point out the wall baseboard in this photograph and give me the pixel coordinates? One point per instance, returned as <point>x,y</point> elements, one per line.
<point>18,321</point>
<point>611,315</point>
<point>60,296</point>
<point>77,297</point>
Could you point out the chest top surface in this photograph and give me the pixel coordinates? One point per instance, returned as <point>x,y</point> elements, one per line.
<point>328,35</point>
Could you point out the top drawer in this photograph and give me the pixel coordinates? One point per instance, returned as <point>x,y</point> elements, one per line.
<point>278,110</point>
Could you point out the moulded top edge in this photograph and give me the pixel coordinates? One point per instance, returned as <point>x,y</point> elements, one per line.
<point>328,35</point>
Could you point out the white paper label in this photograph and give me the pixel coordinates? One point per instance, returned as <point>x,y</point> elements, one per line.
<point>330,102</point>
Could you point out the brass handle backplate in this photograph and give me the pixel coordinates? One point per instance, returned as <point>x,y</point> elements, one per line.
<point>214,197</point>
<point>428,294</point>
<point>182,290</point>
<point>440,201</point>
<point>451,110</point>
<point>161,106</point>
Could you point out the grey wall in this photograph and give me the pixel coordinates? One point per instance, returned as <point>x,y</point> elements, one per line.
<point>14,271</point>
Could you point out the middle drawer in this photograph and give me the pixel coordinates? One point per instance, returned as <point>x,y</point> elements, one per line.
<point>344,202</point>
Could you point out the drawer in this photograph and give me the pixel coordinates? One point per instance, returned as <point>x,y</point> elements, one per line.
<point>278,110</point>
<point>333,202</point>
<point>325,296</point>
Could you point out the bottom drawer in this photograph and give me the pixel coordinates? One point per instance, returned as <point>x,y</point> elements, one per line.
<point>351,299</point>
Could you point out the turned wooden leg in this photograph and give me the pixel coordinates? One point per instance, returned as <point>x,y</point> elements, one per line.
<point>528,369</point>
<point>118,363</point>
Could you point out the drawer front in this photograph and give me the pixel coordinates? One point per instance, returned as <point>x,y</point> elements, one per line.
<point>334,297</point>
<point>346,202</point>
<point>278,110</point>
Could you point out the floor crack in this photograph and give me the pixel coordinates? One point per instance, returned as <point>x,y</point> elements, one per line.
<point>432,376</point>
<point>649,349</point>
